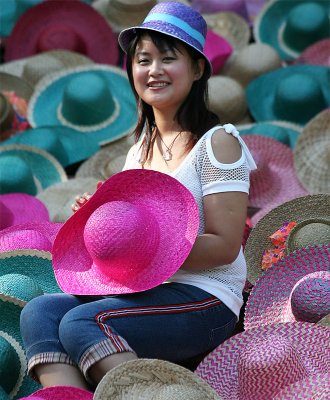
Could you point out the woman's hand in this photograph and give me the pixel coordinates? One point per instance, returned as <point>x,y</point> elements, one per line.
<point>83,199</point>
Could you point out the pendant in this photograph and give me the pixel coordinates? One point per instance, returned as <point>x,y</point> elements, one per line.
<point>167,155</point>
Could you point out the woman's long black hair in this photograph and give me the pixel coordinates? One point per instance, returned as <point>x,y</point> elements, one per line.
<point>193,115</point>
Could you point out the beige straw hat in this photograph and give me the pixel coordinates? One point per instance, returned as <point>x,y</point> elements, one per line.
<point>35,67</point>
<point>312,154</point>
<point>312,215</point>
<point>251,61</point>
<point>325,321</point>
<point>107,161</point>
<point>227,99</point>
<point>152,379</point>
<point>230,26</point>
<point>13,83</point>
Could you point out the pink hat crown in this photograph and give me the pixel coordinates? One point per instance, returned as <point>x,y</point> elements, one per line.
<point>120,236</point>
<point>24,239</point>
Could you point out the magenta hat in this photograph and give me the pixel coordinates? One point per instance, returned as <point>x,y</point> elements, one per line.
<point>33,235</point>
<point>295,288</point>
<point>20,208</point>
<point>217,49</point>
<point>132,235</point>
<point>60,393</point>
<point>259,362</point>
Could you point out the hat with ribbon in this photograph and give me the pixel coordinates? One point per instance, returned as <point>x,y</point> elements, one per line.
<point>21,208</point>
<point>275,180</point>
<point>28,169</point>
<point>295,93</point>
<point>311,154</point>
<point>316,386</point>
<point>94,99</point>
<point>310,215</point>
<point>291,26</point>
<point>16,289</point>
<point>282,131</point>
<point>316,54</point>
<point>69,25</point>
<point>152,379</point>
<point>173,19</point>
<point>294,288</point>
<point>35,264</point>
<point>34,236</point>
<point>151,229</point>
<point>259,362</point>
<point>67,145</point>
<point>60,393</point>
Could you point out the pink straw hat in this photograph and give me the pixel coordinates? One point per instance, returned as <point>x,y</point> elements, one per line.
<point>33,235</point>
<point>315,54</point>
<point>20,208</point>
<point>259,362</point>
<point>133,234</point>
<point>60,393</point>
<point>316,387</point>
<point>295,288</point>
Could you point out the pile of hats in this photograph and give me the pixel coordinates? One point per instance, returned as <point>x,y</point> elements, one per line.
<point>271,75</point>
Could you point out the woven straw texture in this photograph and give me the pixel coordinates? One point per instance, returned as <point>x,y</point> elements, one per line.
<point>298,210</point>
<point>60,393</point>
<point>149,379</point>
<point>297,287</point>
<point>258,363</point>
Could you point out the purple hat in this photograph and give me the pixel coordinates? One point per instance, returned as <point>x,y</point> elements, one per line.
<point>174,19</point>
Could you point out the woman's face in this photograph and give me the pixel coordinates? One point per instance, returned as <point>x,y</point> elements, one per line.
<point>163,79</point>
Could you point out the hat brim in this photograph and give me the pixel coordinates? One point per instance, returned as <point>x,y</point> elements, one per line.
<point>270,299</point>
<point>60,393</point>
<point>44,103</point>
<point>12,83</point>
<point>162,195</point>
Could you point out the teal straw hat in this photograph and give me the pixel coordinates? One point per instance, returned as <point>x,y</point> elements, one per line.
<point>15,291</point>
<point>27,169</point>
<point>35,264</point>
<point>294,93</point>
<point>285,132</point>
<point>67,145</point>
<point>94,99</point>
<point>292,26</point>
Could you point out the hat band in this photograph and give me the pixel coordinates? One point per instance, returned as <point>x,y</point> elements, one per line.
<point>89,128</point>
<point>177,22</point>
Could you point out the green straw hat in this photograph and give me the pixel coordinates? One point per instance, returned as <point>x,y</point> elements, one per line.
<point>28,169</point>
<point>291,26</point>
<point>94,99</point>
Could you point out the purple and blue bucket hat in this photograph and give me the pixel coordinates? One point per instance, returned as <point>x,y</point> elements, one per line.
<point>173,19</point>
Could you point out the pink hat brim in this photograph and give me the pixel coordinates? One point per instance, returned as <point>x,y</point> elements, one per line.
<point>60,393</point>
<point>175,211</point>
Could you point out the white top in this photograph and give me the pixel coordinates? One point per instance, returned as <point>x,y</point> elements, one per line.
<point>202,174</point>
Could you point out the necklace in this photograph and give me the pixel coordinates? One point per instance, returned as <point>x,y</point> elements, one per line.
<point>167,154</point>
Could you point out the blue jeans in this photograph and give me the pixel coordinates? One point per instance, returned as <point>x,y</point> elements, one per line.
<point>173,321</point>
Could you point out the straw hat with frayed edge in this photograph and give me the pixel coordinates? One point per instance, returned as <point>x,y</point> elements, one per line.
<point>152,379</point>
<point>259,362</point>
<point>275,180</point>
<point>154,225</point>
<point>122,14</point>
<point>107,161</point>
<point>35,67</point>
<point>295,288</point>
<point>69,25</point>
<point>325,321</point>
<point>282,131</point>
<point>28,169</point>
<point>291,26</point>
<point>94,99</point>
<point>35,264</point>
<point>67,145</point>
<point>16,289</point>
<point>13,83</point>
<point>295,93</point>
<point>316,54</point>
<point>60,393</point>
<point>315,387</point>
<point>33,235</point>
<point>312,154</point>
<point>304,208</point>
<point>250,62</point>
<point>21,208</point>
<point>59,197</point>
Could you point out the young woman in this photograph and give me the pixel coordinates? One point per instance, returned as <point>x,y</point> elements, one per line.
<point>177,135</point>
